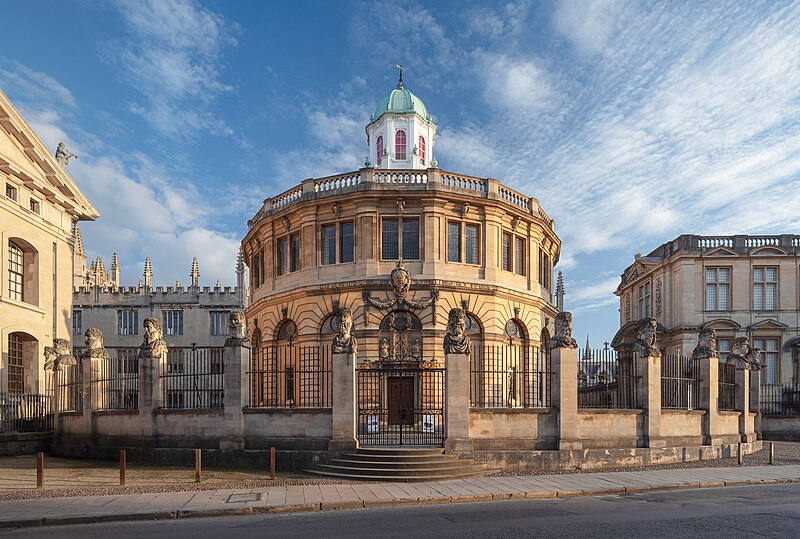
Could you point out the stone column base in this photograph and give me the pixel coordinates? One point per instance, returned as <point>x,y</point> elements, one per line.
<point>711,440</point>
<point>569,445</point>
<point>749,437</point>
<point>459,445</point>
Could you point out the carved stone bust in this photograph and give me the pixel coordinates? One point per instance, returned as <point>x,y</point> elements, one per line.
<point>563,337</point>
<point>456,340</point>
<point>743,355</point>
<point>49,358</point>
<point>154,345</point>
<point>646,344</point>
<point>238,329</point>
<point>344,342</point>
<point>95,349</point>
<point>63,353</point>
<point>706,344</point>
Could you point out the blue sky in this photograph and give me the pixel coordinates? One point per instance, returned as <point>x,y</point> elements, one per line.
<point>631,122</point>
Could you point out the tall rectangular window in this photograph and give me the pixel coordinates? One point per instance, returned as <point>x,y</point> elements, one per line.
<point>127,322</point>
<point>765,288</point>
<point>16,369</point>
<point>410,233</point>
<point>16,272</point>
<point>400,145</point>
<point>519,256</point>
<point>718,284</point>
<point>472,244</point>
<point>453,242</point>
<point>11,192</point>
<point>769,356</point>
<point>545,270</point>
<point>294,263</point>
<point>258,268</point>
<point>329,244</point>
<point>390,237</point>
<point>505,252</point>
<point>346,242</point>
<point>645,310</point>
<point>35,205</point>
<point>218,322</point>
<point>173,322</point>
<point>283,256</point>
<point>77,322</point>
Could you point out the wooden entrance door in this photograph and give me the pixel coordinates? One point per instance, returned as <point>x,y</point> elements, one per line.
<point>401,400</point>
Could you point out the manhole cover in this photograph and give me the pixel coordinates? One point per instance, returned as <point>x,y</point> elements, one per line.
<point>240,498</point>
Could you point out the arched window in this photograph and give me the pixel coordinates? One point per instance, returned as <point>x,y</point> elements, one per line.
<point>421,149</point>
<point>16,272</point>
<point>16,367</point>
<point>379,146</point>
<point>400,145</point>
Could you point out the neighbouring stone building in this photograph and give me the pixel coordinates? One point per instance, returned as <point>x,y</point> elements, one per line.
<point>39,207</point>
<point>741,286</point>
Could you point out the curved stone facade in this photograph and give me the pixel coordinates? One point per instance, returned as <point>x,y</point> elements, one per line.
<point>466,242</point>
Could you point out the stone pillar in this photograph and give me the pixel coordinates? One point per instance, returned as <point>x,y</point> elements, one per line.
<point>149,392</point>
<point>456,408</point>
<point>564,362</point>
<point>746,432</point>
<point>649,393</point>
<point>709,399</point>
<point>235,359</point>
<point>755,400</point>
<point>55,399</point>
<point>343,435</point>
<point>86,426</point>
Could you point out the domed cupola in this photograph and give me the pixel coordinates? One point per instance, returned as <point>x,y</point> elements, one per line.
<point>401,133</point>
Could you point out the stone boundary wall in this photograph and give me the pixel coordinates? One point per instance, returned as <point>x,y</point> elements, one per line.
<point>781,428</point>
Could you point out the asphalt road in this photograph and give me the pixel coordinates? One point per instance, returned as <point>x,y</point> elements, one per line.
<point>752,511</point>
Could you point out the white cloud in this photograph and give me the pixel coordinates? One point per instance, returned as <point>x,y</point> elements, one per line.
<point>514,84</point>
<point>173,59</point>
<point>588,24</point>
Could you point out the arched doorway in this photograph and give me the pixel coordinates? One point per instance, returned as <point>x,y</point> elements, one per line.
<point>401,394</point>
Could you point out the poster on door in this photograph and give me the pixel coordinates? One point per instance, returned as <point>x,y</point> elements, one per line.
<point>428,422</point>
<point>372,424</point>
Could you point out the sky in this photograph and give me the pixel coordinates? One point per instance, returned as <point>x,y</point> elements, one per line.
<point>631,122</point>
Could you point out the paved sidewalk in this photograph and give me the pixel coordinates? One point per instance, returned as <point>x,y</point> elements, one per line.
<point>295,498</point>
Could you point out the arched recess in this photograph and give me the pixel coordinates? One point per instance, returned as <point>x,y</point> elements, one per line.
<point>22,364</point>
<point>400,338</point>
<point>22,261</point>
<point>327,331</point>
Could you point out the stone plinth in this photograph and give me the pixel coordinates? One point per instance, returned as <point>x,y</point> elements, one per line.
<point>743,394</point>
<point>709,399</point>
<point>565,396</point>
<point>457,403</point>
<point>649,393</point>
<point>343,436</point>
<point>235,358</point>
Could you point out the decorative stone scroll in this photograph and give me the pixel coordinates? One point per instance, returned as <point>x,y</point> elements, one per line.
<point>563,337</point>
<point>646,344</point>
<point>456,341</point>
<point>344,342</point>
<point>154,346</point>
<point>706,344</point>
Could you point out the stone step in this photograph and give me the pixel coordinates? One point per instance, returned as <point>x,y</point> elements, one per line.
<point>401,458</point>
<point>400,451</point>
<point>415,465</point>
<point>396,479</point>
<point>390,471</point>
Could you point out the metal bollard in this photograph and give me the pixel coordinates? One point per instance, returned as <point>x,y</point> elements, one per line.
<point>741,455</point>
<point>39,470</point>
<point>771,454</point>
<point>197,470</point>
<point>272,463</point>
<point>123,463</point>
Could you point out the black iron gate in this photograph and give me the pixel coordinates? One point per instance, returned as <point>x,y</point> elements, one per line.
<point>399,405</point>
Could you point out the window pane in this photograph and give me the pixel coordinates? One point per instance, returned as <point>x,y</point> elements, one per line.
<point>283,256</point>
<point>724,275</point>
<point>454,242</point>
<point>711,275</point>
<point>389,240</point>
<point>758,274</point>
<point>769,299</point>
<point>346,243</point>
<point>295,248</point>
<point>422,149</point>
<point>758,297</point>
<point>379,146</point>
<point>519,256</point>
<point>15,272</point>
<point>771,274</point>
<point>400,144</point>
<point>723,346</point>
<point>711,297</point>
<point>722,303</point>
<point>329,244</point>
<point>472,251</point>
<point>505,252</point>
<point>410,239</point>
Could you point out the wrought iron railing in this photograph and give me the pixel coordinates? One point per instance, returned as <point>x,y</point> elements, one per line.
<point>727,387</point>
<point>680,382</point>
<point>290,376</point>
<point>25,412</point>
<point>70,388</point>
<point>192,378</point>
<point>780,399</point>
<point>115,381</point>
<point>510,376</point>
<point>606,380</point>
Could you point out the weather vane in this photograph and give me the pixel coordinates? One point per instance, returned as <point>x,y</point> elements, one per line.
<point>400,82</point>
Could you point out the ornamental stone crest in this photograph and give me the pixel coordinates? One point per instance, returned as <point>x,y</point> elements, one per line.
<point>401,284</point>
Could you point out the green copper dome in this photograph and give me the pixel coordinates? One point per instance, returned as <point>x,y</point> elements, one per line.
<point>400,101</point>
